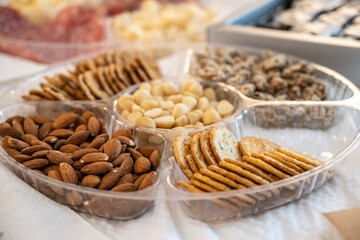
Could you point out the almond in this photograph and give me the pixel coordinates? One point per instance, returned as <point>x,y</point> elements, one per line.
<point>77,165</point>
<point>139,179</point>
<point>18,126</point>
<point>41,119</point>
<point>87,115</point>
<point>84,145</point>
<point>126,140</point>
<point>55,174</point>
<point>126,187</point>
<point>50,140</point>
<point>57,157</point>
<point>45,129</point>
<point>80,175</point>
<point>30,127</point>
<point>126,166</point>
<point>36,163</point>
<point>122,132</point>
<point>91,181</point>
<point>109,180</point>
<point>123,148</point>
<point>97,168</point>
<point>94,157</point>
<point>145,151</point>
<point>96,143</point>
<point>80,128</point>
<point>61,133</point>
<point>17,144</point>
<point>38,142</point>
<point>73,198</point>
<point>78,138</point>
<point>5,144</point>
<point>18,119</point>
<point>127,178</point>
<point>12,152</point>
<point>69,148</point>
<point>28,138</point>
<point>79,153</point>
<point>112,148</point>
<point>59,144</point>
<point>94,126</point>
<point>117,162</point>
<point>40,154</point>
<point>32,149</point>
<point>68,173</point>
<point>9,131</point>
<point>49,168</point>
<point>135,154</point>
<point>64,120</point>
<point>142,165</point>
<point>148,180</point>
<point>102,126</point>
<point>155,159</point>
<point>81,121</point>
<point>22,158</point>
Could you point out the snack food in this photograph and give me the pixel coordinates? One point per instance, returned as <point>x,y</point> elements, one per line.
<point>77,159</point>
<point>262,162</point>
<point>168,22</point>
<point>97,78</point>
<point>163,105</point>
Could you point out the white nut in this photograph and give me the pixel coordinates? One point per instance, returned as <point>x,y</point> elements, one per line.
<point>137,108</point>
<point>193,117</point>
<point>180,109</point>
<point>145,122</point>
<point>196,88</point>
<point>189,126</point>
<point>156,82</point>
<point>145,86</point>
<point>175,98</point>
<point>225,108</point>
<point>140,95</point>
<point>191,102</point>
<point>166,105</point>
<point>199,113</point>
<point>211,116</point>
<point>187,85</point>
<point>203,103</point>
<point>125,113</point>
<point>213,104</point>
<point>125,97</point>
<point>170,88</point>
<point>132,117</point>
<point>166,113</point>
<point>127,105</point>
<point>210,94</point>
<point>153,113</point>
<point>157,90</point>
<point>148,104</point>
<point>187,93</point>
<point>199,124</point>
<point>181,121</point>
<point>164,122</point>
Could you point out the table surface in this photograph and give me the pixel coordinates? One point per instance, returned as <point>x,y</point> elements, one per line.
<point>26,214</point>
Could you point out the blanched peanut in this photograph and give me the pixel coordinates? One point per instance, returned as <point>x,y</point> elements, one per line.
<point>203,103</point>
<point>180,109</point>
<point>209,93</point>
<point>125,113</point>
<point>196,88</point>
<point>157,90</point>
<point>137,108</point>
<point>153,113</point>
<point>145,122</point>
<point>145,86</point>
<point>164,122</point>
<point>187,93</point>
<point>193,117</point>
<point>187,85</point>
<point>225,108</point>
<point>140,95</point>
<point>165,113</point>
<point>148,104</point>
<point>199,124</point>
<point>166,105</point>
<point>190,102</point>
<point>127,105</point>
<point>211,116</point>
<point>132,117</point>
<point>181,121</point>
<point>170,88</point>
<point>175,98</point>
<point>125,97</point>
<point>189,126</point>
<point>213,104</point>
<point>199,113</point>
<point>156,82</point>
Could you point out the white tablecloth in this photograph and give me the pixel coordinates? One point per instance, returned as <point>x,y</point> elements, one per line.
<point>27,214</point>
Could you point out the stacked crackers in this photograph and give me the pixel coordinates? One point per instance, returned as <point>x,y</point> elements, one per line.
<point>215,161</point>
<point>98,78</point>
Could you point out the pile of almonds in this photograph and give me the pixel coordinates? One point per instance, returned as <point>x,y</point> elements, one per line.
<point>76,149</point>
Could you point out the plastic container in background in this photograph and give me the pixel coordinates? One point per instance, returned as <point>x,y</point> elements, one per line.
<point>103,203</point>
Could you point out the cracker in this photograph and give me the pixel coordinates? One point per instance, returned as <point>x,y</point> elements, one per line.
<point>220,178</point>
<point>196,152</point>
<point>301,157</point>
<point>84,88</point>
<point>41,94</point>
<point>56,90</point>
<point>242,182</point>
<point>253,169</point>
<point>289,164</point>
<point>109,80</point>
<point>189,158</point>
<point>135,79</point>
<point>293,160</point>
<point>249,145</point>
<point>206,148</point>
<point>120,74</point>
<point>224,144</point>
<point>203,186</point>
<point>188,187</point>
<point>267,167</point>
<point>211,182</point>
<point>55,94</point>
<point>140,72</point>
<point>31,97</point>
<point>150,72</point>
<point>181,149</point>
<point>94,86</point>
<point>273,162</point>
<point>101,79</point>
<point>115,78</point>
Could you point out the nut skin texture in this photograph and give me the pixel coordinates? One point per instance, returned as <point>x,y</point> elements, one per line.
<point>97,168</point>
<point>142,165</point>
<point>68,173</point>
<point>91,181</point>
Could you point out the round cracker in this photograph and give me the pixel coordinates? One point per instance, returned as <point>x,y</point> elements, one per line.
<point>181,149</point>
<point>206,148</point>
<point>196,152</point>
<point>224,144</point>
<point>249,145</point>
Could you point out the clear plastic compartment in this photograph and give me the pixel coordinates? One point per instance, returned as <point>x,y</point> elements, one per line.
<point>329,145</point>
<point>103,203</point>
